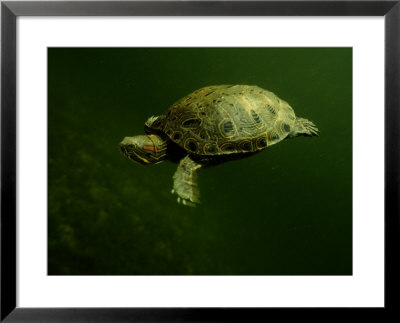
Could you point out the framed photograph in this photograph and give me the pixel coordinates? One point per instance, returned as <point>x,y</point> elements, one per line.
<point>198,160</point>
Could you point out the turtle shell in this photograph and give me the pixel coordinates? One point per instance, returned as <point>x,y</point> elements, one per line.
<point>227,119</point>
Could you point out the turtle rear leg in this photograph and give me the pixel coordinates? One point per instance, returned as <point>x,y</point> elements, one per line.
<point>304,127</point>
<point>185,182</point>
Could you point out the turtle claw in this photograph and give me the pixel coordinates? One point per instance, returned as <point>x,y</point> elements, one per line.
<point>183,201</point>
<point>188,203</point>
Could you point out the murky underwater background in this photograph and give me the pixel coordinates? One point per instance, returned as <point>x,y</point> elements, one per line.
<point>284,211</point>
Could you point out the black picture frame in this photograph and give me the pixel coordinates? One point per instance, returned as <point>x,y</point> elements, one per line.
<point>10,10</point>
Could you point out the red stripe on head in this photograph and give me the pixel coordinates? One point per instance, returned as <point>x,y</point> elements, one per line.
<point>152,148</point>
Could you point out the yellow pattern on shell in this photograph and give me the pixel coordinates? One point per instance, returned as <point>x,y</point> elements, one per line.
<point>227,116</point>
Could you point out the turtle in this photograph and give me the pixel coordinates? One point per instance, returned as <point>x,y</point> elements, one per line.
<point>213,125</point>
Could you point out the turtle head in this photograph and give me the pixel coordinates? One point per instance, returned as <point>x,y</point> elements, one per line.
<point>144,149</point>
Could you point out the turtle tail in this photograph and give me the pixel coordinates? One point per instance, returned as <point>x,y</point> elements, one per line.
<point>304,127</point>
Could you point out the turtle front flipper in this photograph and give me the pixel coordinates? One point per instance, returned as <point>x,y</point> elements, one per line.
<point>154,124</point>
<point>304,127</point>
<point>185,182</point>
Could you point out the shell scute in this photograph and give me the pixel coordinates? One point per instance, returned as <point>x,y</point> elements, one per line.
<point>225,119</point>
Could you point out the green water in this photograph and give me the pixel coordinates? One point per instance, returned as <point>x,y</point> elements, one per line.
<point>284,211</point>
